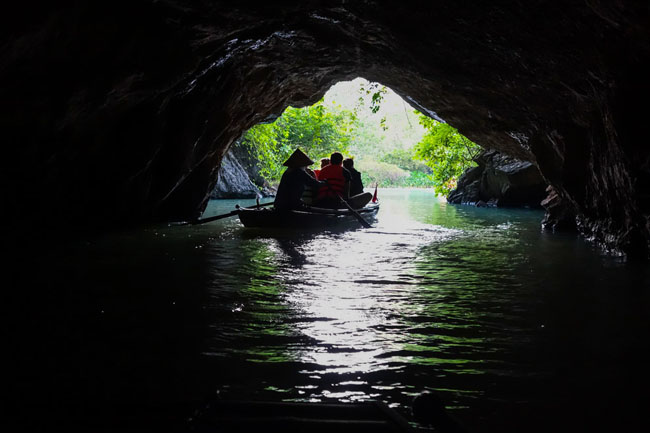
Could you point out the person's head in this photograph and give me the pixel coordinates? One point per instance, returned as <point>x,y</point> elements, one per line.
<point>298,159</point>
<point>336,158</point>
<point>348,163</point>
<point>324,162</point>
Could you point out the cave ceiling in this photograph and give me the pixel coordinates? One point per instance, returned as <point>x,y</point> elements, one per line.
<point>122,112</point>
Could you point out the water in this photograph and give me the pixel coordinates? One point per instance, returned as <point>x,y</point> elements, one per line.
<point>516,329</point>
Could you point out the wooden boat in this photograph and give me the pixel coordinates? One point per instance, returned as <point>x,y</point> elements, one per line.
<point>310,218</point>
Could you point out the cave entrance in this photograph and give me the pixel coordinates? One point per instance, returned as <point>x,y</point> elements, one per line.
<point>391,143</point>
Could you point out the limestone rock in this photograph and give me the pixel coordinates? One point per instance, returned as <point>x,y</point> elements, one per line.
<point>233,181</point>
<point>500,180</point>
<point>560,215</point>
<point>248,162</point>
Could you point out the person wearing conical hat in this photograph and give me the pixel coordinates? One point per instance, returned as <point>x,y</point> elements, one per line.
<point>293,182</point>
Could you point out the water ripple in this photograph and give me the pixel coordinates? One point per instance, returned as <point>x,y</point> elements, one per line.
<point>433,297</point>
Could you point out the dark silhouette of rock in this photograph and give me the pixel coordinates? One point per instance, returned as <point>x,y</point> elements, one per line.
<point>500,180</point>
<point>481,203</point>
<point>233,181</point>
<point>560,215</point>
<point>122,112</point>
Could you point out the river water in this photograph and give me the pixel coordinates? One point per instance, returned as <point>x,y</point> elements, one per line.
<point>514,328</point>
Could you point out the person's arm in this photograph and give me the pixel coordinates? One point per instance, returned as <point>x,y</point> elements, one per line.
<point>311,181</point>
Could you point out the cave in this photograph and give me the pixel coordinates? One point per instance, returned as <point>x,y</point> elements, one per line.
<point>115,116</point>
<point>119,115</point>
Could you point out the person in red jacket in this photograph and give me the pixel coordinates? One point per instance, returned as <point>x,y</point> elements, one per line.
<point>338,186</point>
<point>323,162</point>
<point>338,183</point>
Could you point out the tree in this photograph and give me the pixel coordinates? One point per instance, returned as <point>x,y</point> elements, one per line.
<point>377,128</point>
<point>446,151</point>
<point>317,130</point>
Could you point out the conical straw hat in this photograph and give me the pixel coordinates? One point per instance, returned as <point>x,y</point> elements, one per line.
<point>298,159</point>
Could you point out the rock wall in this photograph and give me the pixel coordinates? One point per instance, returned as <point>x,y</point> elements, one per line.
<point>500,180</point>
<point>248,162</point>
<point>233,181</point>
<point>560,215</point>
<point>123,112</point>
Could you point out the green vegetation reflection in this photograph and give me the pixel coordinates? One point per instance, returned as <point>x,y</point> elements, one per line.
<point>258,314</point>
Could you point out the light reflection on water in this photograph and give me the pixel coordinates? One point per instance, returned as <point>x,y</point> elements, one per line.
<point>516,329</point>
<point>434,297</point>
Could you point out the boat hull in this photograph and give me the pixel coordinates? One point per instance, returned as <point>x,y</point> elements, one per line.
<point>296,219</point>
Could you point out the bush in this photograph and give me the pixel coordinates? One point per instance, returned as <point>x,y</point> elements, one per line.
<point>382,173</point>
<point>418,179</point>
<point>406,160</point>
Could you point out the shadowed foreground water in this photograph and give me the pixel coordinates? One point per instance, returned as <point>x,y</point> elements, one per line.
<point>516,329</point>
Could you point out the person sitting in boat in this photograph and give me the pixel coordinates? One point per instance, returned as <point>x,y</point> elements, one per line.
<point>338,180</point>
<point>309,194</point>
<point>359,197</point>
<point>293,182</point>
<point>323,163</point>
<point>356,184</point>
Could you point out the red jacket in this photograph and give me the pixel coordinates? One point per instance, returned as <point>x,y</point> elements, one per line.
<point>334,175</point>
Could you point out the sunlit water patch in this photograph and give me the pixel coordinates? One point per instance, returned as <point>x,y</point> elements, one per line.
<point>434,297</point>
<point>516,329</point>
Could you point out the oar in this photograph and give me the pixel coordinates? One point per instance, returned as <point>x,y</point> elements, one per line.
<point>217,217</point>
<point>354,212</point>
<point>226,215</point>
<point>214,218</point>
<point>357,215</point>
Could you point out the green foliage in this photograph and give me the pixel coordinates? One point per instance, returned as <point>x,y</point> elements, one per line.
<point>446,151</point>
<point>317,130</point>
<point>375,91</point>
<point>382,173</point>
<point>260,142</point>
<point>405,159</point>
<point>418,179</point>
<point>393,145</point>
<point>389,175</point>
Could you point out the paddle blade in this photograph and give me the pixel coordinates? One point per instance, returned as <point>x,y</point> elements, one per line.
<point>374,196</point>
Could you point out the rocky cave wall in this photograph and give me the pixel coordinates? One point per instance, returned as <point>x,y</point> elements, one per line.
<point>499,180</point>
<point>118,113</point>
